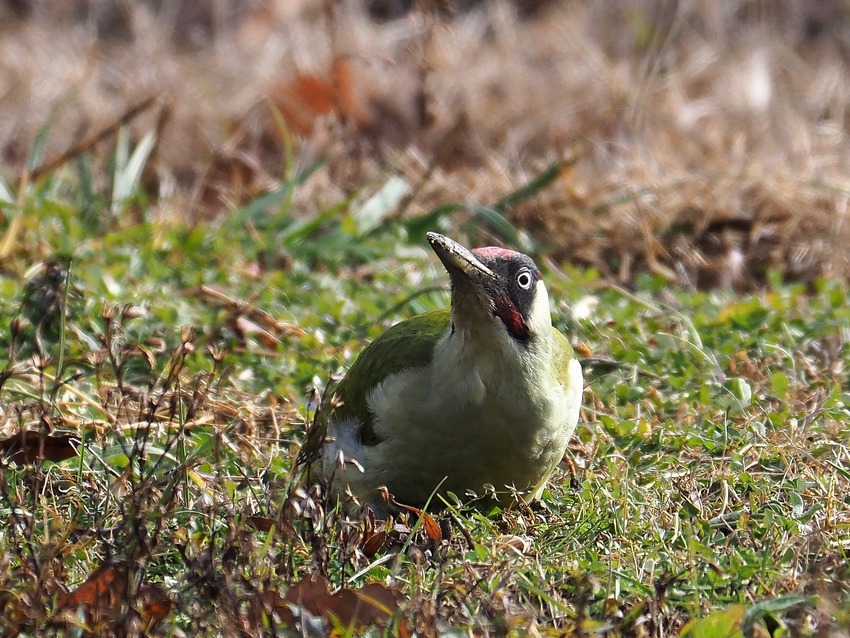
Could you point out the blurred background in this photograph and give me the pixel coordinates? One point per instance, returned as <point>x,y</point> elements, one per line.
<point>704,141</point>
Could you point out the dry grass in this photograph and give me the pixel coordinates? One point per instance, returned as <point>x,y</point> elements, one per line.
<point>703,142</point>
<point>707,142</point>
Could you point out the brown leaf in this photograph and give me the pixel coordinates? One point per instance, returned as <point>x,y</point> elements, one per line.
<point>372,604</point>
<point>13,611</point>
<point>432,529</point>
<point>154,605</point>
<point>584,350</point>
<point>260,523</point>
<point>401,629</point>
<point>101,596</point>
<point>29,446</point>
<point>308,97</point>
<point>374,542</point>
<point>311,594</point>
<point>270,602</point>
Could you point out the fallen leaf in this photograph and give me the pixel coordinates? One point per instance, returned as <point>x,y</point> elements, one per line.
<point>270,602</point>
<point>153,605</point>
<point>29,447</point>
<point>98,596</point>
<point>374,542</point>
<point>374,534</point>
<point>432,529</point>
<point>311,594</point>
<point>584,350</point>
<point>260,523</point>
<point>102,595</point>
<point>13,611</point>
<point>372,604</point>
<point>308,97</point>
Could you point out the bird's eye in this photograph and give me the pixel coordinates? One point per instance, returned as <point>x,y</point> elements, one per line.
<point>524,279</point>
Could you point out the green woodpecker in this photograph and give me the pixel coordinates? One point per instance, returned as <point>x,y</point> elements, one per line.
<point>485,395</point>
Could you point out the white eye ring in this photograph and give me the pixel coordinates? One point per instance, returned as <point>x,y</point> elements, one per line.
<point>524,279</point>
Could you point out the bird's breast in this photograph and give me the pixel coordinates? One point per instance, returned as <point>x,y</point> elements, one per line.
<point>474,425</point>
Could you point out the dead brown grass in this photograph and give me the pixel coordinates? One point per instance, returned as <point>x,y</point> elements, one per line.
<point>710,137</point>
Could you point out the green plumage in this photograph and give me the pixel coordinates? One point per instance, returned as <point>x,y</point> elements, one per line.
<point>483,396</point>
<point>390,353</point>
<point>565,355</point>
<point>408,341</point>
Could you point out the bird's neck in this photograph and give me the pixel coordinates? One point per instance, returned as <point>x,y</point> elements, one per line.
<point>487,364</point>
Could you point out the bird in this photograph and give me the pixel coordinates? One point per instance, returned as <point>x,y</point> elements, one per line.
<point>480,399</point>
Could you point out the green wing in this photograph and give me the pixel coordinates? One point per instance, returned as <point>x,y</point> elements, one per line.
<point>565,355</point>
<point>392,352</point>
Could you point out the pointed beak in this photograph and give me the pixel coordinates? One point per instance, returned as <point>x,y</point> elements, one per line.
<point>459,260</point>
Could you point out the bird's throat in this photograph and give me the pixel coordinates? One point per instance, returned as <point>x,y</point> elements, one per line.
<point>510,315</point>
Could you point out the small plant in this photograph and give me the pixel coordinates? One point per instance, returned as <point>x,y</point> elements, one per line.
<point>155,384</point>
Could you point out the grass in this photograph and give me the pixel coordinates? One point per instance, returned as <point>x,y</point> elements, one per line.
<point>710,472</point>
<point>703,140</point>
<point>179,279</point>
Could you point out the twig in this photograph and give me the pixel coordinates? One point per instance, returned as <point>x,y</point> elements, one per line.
<point>245,308</point>
<point>92,141</point>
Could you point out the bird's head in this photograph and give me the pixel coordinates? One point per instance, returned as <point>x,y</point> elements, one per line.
<point>494,288</point>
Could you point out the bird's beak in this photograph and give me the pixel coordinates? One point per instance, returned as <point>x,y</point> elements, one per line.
<point>459,260</point>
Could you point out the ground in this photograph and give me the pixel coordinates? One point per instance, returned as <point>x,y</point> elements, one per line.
<point>207,210</point>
